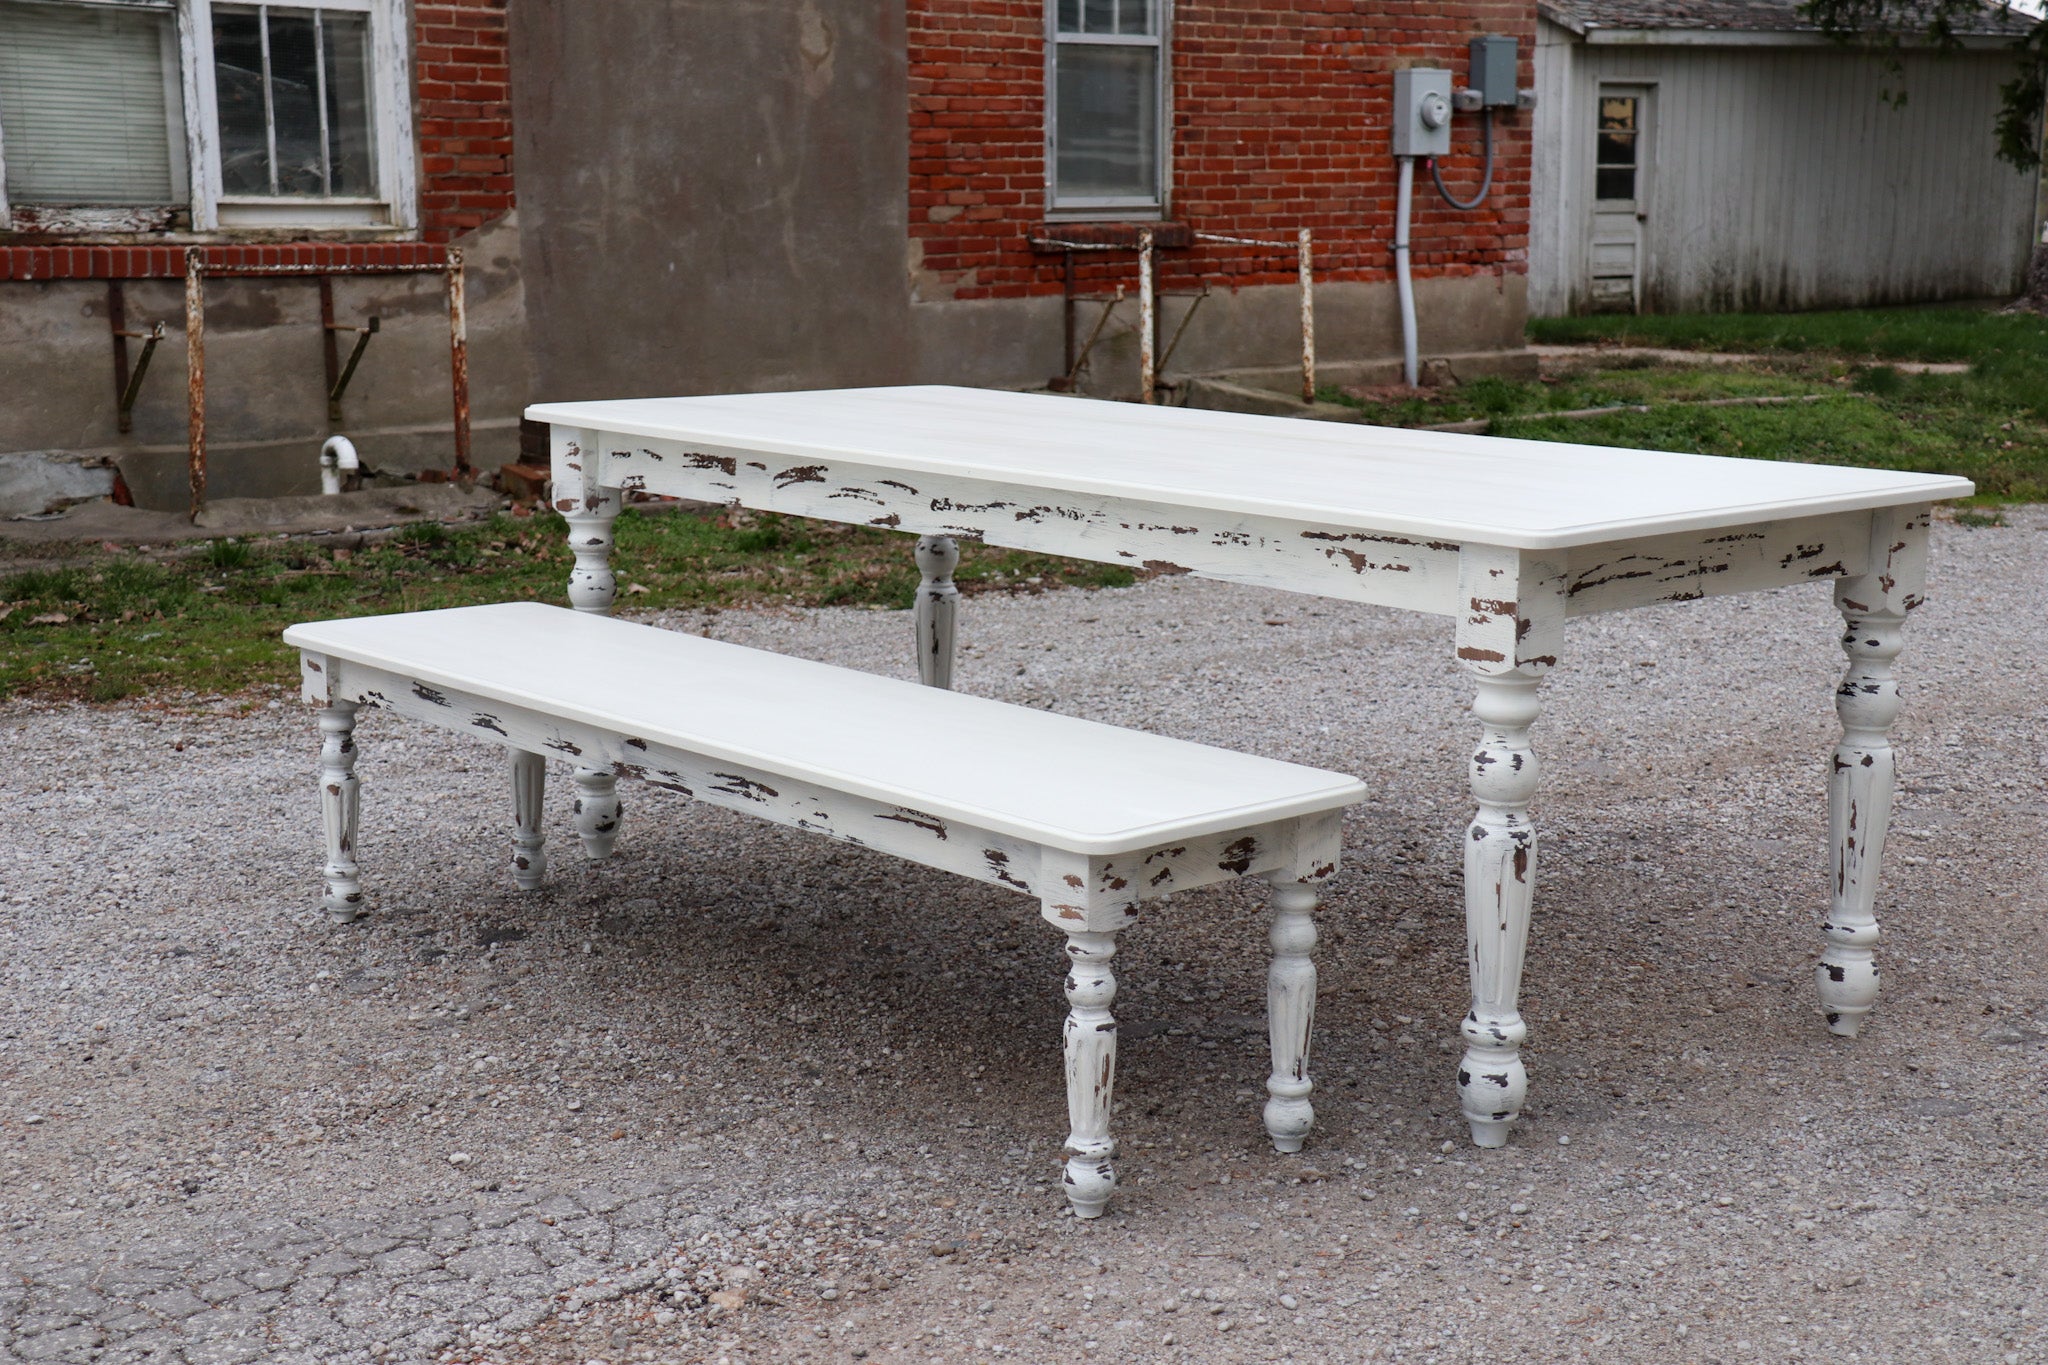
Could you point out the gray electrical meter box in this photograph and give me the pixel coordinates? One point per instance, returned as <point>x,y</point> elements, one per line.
<point>1422,112</point>
<point>1493,70</point>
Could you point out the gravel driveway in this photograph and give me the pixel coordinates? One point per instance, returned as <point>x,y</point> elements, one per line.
<point>740,1094</point>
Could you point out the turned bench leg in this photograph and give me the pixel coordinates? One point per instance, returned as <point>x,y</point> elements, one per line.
<point>529,785</point>
<point>1090,1039</point>
<point>1291,1015</point>
<point>340,809</point>
<point>938,609</point>
<point>592,588</point>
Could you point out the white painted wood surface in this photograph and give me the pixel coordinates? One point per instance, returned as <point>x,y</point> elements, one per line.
<point>1783,179</point>
<point>1011,769</point>
<point>1507,538</point>
<point>1008,795</point>
<point>1432,485</point>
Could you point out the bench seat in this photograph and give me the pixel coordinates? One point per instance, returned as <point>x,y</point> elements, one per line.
<point>1088,818</point>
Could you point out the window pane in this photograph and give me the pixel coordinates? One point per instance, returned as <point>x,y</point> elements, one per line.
<point>1098,16</point>
<point>274,100</point>
<point>1070,16</point>
<point>1614,182</point>
<point>1616,149</point>
<point>85,105</point>
<point>1618,113</point>
<point>1108,114</point>
<point>1137,16</point>
<point>238,91</point>
<point>295,103</point>
<point>348,103</point>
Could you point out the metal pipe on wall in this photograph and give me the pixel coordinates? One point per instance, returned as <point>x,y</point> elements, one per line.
<point>1147,379</point>
<point>1308,321</point>
<point>1404,283</point>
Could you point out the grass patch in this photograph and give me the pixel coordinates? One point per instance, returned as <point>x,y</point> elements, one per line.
<point>208,620</point>
<point>1989,425</point>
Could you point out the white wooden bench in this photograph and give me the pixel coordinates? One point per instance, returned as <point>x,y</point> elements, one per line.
<point>1090,819</point>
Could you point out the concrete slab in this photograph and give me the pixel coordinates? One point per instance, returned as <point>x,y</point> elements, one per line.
<point>369,509</point>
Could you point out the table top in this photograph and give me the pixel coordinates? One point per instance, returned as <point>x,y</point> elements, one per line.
<point>1073,784</point>
<point>1530,495</point>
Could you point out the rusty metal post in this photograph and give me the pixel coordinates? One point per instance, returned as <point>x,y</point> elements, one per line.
<point>117,319</point>
<point>195,378</point>
<point>328,353</point>
<point>1067,288</point>
<point>1147,379</point>
<point>458,360</point>
<point>1308,321</point>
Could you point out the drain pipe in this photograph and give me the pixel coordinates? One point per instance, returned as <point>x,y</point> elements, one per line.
<point>1404,283</point>
<point>337,461</point>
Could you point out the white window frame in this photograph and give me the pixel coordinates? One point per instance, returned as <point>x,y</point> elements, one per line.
<point>1075,207</point>
<point>396,203</point>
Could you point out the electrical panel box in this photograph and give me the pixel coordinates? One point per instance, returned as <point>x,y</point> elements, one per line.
<point>1493,70</point>
<point>1422,112</point>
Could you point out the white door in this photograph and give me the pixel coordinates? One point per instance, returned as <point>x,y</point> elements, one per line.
<point>1621,196</point>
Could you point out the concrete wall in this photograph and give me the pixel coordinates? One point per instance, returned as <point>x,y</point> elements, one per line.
<point>265,394</point>
<point>1780,178</point>
<point>714,194</point>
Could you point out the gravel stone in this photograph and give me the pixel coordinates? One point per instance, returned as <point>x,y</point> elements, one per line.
<point>1703,1173</point>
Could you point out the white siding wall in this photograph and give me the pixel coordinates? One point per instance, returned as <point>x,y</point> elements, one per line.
<point>1780,179</point>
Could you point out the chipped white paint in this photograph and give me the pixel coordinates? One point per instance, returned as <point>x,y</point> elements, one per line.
<point>1007,795</point>
<point>529,785</point>
<point>1089,1038</point>
<point>1507,538</point>
<point>598,811</point>
<point>590,512</point>
<point>340,808</point>
<point>938,609</point>
<point>1291,1015</point>
<point>1861,778</point>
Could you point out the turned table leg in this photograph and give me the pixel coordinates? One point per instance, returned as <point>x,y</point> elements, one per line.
<point>938,608</point>
<point>1500,882</point>
<point>1090,1042</point>
<point>529,784</point>
<point>1861,780</point>
<point>592,588</point>
<point>1291,1015</point>
<point>340,809</point>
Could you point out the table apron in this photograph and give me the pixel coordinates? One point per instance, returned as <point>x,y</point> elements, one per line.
<point>1693,564</point>
<point>1271,552</point>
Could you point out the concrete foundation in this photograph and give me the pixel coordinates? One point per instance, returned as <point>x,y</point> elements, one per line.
<point>266,405</point>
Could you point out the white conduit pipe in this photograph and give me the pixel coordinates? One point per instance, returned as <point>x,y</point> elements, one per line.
<point>337,458</point>
<point>1404,284</point>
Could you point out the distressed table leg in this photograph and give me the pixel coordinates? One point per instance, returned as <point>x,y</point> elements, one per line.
<point>598,812</point>
<point>592,588</point>
<point>1508,638</point>
<point>1291,1015</point>
<point>529,785</point>
<point>1861,780</point>
<point>340,809</point>
<point>1090,1041</point>
<point>1500,883</point>
<point>938,608</point>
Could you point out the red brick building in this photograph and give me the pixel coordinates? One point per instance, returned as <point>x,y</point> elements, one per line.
<point>1279,113</point>
<point>711,197</point>
<point>848,191</point>
<point>298,134</point>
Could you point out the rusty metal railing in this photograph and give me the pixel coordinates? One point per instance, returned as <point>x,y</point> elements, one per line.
<point>196,275</point>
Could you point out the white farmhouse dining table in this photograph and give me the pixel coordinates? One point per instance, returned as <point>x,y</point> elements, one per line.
<point>1508,539</point>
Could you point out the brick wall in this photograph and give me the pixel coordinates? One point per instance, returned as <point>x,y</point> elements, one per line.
<point>462,119</point>
<point>462,113</point>
<point>1279,117</point>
